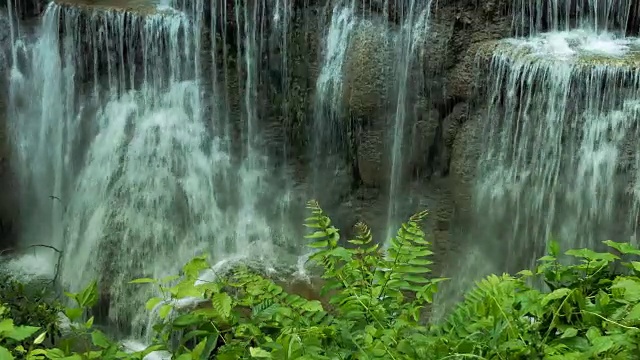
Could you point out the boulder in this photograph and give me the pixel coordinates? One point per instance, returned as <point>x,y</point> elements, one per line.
<point>368,72</point>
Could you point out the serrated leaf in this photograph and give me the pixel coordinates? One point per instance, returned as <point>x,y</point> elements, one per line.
<point>601,344</point>
<point>630,287</point>
<point>222,302</point>
<point>259,353</point>
<point>624,248</point>
<point>555,294</point>
<point>312,306</point>
<point>317,235</point>
<point>634,314</point>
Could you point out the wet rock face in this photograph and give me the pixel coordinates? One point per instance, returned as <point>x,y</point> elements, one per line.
<point>368,71</point>
<point>8,204</point>
<point>29,8</point>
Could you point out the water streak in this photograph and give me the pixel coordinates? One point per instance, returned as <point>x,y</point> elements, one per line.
<point>329,126</point>
<point>414,26</point>
<point>121,166</point>
<point>534,16</point>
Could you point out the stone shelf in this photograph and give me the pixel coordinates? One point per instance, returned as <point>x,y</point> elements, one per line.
<point>577,48</point>
<point>136,6</point>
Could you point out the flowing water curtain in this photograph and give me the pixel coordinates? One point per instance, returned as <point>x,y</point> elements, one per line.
<point>414,24</point>
<point>534,16</point>
<point>557,132</point>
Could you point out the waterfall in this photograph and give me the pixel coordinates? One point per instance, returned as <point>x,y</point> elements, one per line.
<point>414,25</point>
<point>329,123</point>
<point>561,113</point>
<point>533,16</point>
<point>122,168</point>
<point>557,130</point>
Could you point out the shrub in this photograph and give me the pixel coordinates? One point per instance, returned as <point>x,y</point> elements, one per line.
<point>591,309</point>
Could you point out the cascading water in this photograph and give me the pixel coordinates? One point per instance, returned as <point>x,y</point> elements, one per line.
<point>120,166</point>
<point>557,157</point>
<point>329,122</point>
<point>533,16</point>
<point>558,127</point>
<point>562,110</point>
<point>413,27</point>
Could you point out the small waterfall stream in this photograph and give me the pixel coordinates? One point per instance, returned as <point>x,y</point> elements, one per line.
<point>330,127</point>
<point>119,164</point>
<point>413,28</point>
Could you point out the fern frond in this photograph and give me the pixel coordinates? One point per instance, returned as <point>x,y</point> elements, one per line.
<point>266,298</point>
<point>363,234</point>
<point>408,262</point>
<point>325,236</point>
<point>487,308</point>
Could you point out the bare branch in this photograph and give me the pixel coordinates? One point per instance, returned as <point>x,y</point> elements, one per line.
<point>58,263</point>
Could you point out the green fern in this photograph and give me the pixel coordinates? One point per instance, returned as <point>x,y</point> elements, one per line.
<point>407,266</point>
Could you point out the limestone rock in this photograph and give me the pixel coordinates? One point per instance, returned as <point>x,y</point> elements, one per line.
<point>370,157</point>
<point>424,141</point>
<point>452,123</point>
<point>465,74</point>
<point>368,71</point>
<point>465,155</point>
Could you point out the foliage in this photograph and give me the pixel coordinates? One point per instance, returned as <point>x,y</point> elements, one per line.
<point>375,308</point>
<point>32,304</point>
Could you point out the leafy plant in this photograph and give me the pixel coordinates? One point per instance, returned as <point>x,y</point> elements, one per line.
<point>588,308</point>
<point>30,304</point>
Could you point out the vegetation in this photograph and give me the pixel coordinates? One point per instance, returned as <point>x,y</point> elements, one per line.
<point>376,309</point>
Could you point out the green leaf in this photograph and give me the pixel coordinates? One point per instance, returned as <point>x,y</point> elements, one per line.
<point>556,294</point>
<point>525,273</point>
<point>89,296</point>
<point>5,354</point>
<point>554,248</point>
<point>569,333</point>
<point>602,344</point>
<point>6,326</point>
<point>629,287</point>
<point>259,353</point>
<point>40,338</point>
<point>143,281</point>
<point>589,254</point>
<point>73,313</point>
<point>317,235</point>
<point>319,244</point>
<point>624,248</point>
<point>99,339</point>
<point>312,306</point>
<point>164,311</point>
<point>20,333</point>
<point>222,302</point>
<point>634,314</point>
<point>186,320</point>
<point>152,303</point>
